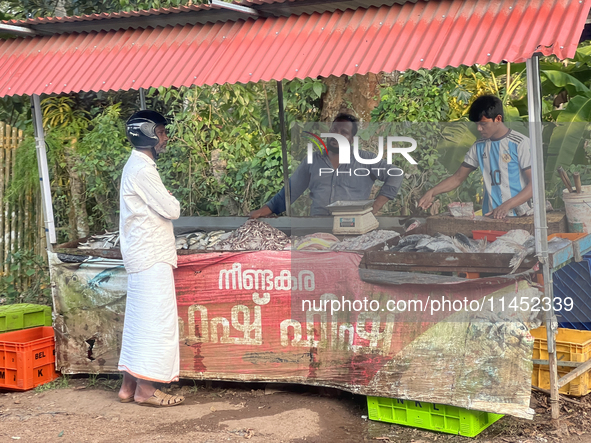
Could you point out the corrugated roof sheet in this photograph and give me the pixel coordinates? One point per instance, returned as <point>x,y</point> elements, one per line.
<point>400,37</point>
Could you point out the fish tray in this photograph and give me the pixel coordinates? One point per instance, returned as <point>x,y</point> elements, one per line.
<point>441,418</point>
<point>448,225</point>
<point>484,263</point>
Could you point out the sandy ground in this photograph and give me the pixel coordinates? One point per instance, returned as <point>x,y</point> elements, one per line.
<point>87,410</point>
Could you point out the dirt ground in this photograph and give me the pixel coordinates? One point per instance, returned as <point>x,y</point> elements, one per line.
<point>85,409</point>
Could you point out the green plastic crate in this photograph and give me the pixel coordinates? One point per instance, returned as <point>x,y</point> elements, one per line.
<point>434,417</point>
<point>24,316</point>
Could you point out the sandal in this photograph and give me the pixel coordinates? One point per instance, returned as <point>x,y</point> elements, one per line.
<point>160,399</point>
<point>126,400</point>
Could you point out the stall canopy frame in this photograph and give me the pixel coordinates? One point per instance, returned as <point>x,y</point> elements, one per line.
<point>262,40</point>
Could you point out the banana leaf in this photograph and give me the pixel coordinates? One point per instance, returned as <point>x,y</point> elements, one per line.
<point>558,80</point>
<point>569,134</point>
<point>456,139</point>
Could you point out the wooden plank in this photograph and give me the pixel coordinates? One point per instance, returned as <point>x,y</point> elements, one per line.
<point>379,277</point>
<point>560,257</point>
<point>442,261</point>
<point>105,253</point>
<point>574,374</point>
<point>448,225</point>
<point>581,247</point>
<point>572,364</point>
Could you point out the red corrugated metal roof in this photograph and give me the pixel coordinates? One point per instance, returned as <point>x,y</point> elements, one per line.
<point>400,37</point>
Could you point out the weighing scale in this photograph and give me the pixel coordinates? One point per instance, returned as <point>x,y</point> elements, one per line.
<point>353,217</point>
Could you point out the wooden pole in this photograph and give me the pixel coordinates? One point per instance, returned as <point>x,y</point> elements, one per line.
<point>7,164</point>
<point>284,148</point>
<point>14,222</point>
<point>2,180</point>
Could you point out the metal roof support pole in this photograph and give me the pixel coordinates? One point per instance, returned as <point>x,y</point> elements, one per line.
<point>534,104</point>
<point>43,172</point>
<point>142,99</point>
<point>284,148</point>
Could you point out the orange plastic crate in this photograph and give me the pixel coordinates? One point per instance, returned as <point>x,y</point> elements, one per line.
<point>569,236</point>
<point>491,236</point>
<point>27,358</point>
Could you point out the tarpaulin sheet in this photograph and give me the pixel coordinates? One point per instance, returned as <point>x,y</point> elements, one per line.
<point>254,316</point>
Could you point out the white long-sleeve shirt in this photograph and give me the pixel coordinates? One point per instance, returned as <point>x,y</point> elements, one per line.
<point>146,211</point>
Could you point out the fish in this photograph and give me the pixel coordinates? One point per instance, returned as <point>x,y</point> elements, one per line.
<point>181,243</point>
<point>468,245</point>
<point>441,245</point>
<point>412,239</point>
<point>256,235</point>
<point>529,248</point>
<point>364,241</point>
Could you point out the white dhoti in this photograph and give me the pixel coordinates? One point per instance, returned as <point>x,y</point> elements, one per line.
<point>150,344</point>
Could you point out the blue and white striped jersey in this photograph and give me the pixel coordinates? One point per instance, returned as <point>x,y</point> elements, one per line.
<point>502,163</point>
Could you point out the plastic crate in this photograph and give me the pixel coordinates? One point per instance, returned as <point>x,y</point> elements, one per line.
<point>569,236</point>
<point>27,358</point>
<point>577,388</point>
<point>442,418</point>
<point>571,345</point>
<point>490,236</point>
<point>574,281</point>
<point>23,316</point>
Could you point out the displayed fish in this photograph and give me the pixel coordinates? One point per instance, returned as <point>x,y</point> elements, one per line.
<point>468,245</point>
<point>412,239</point>
<point>317,241</point>
<point>254,235</point>
<point>529,248</point>
<point>107,240</point>
<point>364,241</point>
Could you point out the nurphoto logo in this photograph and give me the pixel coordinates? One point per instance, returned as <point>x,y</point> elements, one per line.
<point>392,147</point>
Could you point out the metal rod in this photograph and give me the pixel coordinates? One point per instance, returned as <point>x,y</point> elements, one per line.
<point>233,7</point>
<point>534,104</point>
<point>43,172</point>
<point>142,99</point>
<point>21,31</point>
<point>284,148</point>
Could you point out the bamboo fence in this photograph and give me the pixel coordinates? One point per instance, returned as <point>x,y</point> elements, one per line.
<point>21,221</point>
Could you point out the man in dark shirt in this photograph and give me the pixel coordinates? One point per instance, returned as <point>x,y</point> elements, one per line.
<point>330,181</point>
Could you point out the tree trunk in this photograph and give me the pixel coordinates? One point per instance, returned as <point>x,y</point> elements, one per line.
<point>77,191</point>
<point>357,95</point>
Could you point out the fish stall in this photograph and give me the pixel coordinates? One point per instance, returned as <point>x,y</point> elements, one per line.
<point>386,313</point>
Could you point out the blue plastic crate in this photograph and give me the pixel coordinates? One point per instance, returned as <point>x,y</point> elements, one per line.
<point>574,281</point>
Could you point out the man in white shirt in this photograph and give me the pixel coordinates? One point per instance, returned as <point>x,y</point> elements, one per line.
<point>150,344</point>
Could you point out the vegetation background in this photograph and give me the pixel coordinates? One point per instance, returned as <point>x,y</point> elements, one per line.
<point>224,155</point>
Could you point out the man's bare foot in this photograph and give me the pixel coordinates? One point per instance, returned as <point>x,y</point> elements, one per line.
<point>144,390</point>
<point>128,388</point>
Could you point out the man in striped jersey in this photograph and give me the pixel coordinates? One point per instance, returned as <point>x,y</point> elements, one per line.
<point>503,156</point>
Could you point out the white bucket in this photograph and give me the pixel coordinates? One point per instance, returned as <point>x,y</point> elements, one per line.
<point>578,209</point>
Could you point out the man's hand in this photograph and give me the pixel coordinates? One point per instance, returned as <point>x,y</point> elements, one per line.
<point>426,200</point>
<point>378,203</point>
<point>499,212</point>
<point>265,211</point>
